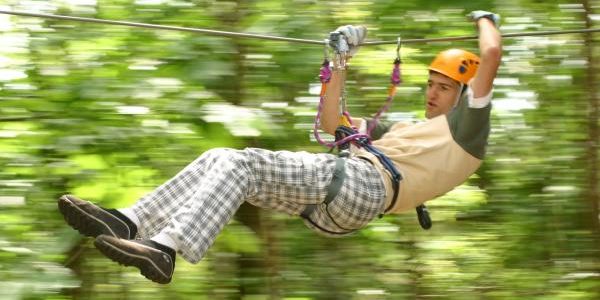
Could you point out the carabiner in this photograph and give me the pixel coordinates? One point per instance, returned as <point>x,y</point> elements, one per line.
<point>398,49</point>
<point>326,50</point>
<point>338,42</point>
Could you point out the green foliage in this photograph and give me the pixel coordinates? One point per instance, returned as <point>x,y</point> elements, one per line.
<point>109,112</point>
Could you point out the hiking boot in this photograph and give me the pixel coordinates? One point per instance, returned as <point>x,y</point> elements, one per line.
<point>155,261</point>
<point>92,220</point>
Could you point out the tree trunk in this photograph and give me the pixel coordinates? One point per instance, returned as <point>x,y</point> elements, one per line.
<point>593,130</point>
<point>593,114</point>
<point>263,266</point>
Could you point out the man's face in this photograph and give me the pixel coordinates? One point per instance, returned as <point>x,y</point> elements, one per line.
<point>441,95</point>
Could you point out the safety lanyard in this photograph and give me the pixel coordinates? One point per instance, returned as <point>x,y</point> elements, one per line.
<point>345,118</point>
<point>346,133</point>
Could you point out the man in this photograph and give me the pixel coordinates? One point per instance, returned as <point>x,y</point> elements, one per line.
<point>438,155</point>
<point>186,213</point>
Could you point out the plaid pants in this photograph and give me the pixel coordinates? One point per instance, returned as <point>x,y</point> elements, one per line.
<point>195,205</point>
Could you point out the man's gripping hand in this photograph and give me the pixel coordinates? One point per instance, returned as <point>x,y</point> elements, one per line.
<point>354,35</point>
<point>478,14</point>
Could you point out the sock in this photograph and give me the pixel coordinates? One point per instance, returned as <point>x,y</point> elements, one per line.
<point>166,240</point>
<point>132,226</point>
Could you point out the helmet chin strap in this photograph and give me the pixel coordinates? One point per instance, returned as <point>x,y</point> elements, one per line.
<point>461,86</point>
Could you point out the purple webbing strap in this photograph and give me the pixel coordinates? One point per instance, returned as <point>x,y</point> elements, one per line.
<point>325,77</point>
<point>396,77</point>
<point>325,72</point>
<point>395,80</point>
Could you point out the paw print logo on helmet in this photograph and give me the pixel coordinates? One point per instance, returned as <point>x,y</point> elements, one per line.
<point>457,64</point>
<point>466,64</point>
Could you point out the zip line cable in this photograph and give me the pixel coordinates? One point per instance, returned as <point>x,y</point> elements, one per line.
<point>162,27</point>
<point>276,38</point>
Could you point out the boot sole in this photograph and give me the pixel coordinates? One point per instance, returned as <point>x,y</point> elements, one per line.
<point>146,266</point>
<point>82,221</point>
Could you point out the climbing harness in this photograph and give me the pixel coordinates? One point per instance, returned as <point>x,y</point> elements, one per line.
<point>346,133</point>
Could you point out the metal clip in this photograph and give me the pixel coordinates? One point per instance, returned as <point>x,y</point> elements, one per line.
<point>398,49</point>
<point>326,50</point>
<point>338,42</point>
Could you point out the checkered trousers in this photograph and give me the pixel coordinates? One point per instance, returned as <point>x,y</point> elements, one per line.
<point>195,205</point>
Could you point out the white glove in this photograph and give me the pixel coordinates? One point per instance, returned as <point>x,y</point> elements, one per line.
<point>478,14</point>
<point>355,35</point>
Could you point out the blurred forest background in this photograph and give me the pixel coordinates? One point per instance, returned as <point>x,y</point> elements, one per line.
<point>109,112</point>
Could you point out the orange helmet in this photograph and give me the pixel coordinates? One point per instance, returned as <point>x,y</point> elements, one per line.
<point>457,64</point>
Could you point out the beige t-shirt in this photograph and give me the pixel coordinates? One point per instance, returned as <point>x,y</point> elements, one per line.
<point>434,156</point>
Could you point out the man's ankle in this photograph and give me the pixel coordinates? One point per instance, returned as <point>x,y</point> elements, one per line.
<point>132,226</point>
